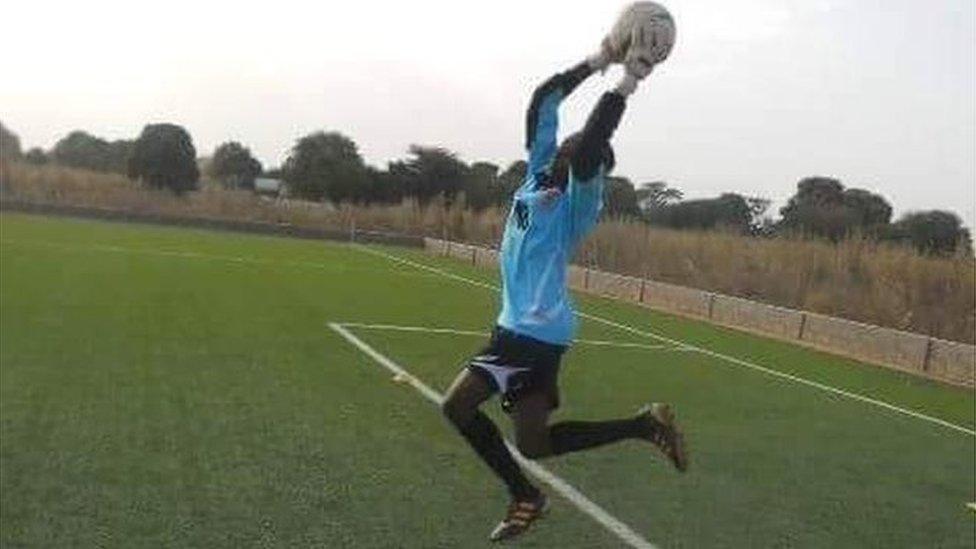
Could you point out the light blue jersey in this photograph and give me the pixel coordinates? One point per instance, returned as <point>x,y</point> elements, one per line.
<point>543,230</point>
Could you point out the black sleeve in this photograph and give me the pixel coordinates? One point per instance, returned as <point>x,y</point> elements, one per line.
<point>566,82</point>
<point>596,134</point>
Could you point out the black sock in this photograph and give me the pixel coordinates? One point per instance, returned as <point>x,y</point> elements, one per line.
<point>571,436</point>
<point>484,437</point>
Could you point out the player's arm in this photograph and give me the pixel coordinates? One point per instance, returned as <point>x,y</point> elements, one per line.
<point>542,117</point>
<point>639,58</point>
<point>599,128</point>
<point>586,200</point>
<point>596,134</point>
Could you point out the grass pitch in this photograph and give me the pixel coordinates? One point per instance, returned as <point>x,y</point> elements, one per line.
<point>168,387</point>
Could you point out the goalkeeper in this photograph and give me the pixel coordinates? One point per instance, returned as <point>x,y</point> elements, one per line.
<point>554,209</point>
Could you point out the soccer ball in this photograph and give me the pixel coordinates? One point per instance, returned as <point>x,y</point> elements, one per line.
<point>643,30</point>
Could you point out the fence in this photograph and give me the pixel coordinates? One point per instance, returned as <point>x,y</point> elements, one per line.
<point>933,358</point>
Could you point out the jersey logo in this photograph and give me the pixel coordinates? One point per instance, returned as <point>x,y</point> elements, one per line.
<point>521,215</point>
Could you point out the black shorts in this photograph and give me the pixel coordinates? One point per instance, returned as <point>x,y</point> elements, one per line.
<point>516,365</point>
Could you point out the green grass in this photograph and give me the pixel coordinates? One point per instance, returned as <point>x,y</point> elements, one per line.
<point>168,387</point>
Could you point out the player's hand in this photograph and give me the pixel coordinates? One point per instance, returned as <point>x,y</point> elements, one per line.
<point>641,56</point>
<point>617,42</point>
<point>613,47</point>
<point>650,44</point>
<point>639,62</point>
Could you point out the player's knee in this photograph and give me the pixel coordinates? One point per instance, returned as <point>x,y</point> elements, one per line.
<point>534,447</point>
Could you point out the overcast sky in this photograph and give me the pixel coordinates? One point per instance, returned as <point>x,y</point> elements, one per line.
<point>756,94</point>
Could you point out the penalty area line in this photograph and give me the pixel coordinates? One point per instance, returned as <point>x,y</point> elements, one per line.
<point>563,488</point>
<point>451,331</point>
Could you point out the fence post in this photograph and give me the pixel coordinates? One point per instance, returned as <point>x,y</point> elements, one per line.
<point>928,355</point>
<point>711,304</point>
<point>803,325</point>
<point>447,247</point>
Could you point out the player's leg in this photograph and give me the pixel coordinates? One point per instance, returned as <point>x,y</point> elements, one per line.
<point>573,436</point>
<point>530,416</point>
<point>537,439</point>
<point>461,409</point>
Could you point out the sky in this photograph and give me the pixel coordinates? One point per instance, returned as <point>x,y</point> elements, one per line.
<point>757,94</point>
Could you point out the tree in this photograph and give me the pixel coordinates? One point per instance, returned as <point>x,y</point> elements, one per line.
<point>117,155</point>
<point>164,157</point>
<point>822,207</point>
<point>9,144</point>
<point>933,232</point>
<point>36,156</point>
<point>325,166</point>
<point>815,208</point>
<point>735,212</point>
<point>729,211</point>
<point>656,194</point>
<point>80,149</point>
<point>431,172</point>
<point>382,187</point>
<point>620,198</point>
<point>480,185</point>
<point>233,165</point>
<point>866,210</point>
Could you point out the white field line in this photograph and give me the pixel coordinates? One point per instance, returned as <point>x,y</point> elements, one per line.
<point>237,260</point>
<point>571,494</point>
<point>159,252</point>
<point>451,331</point>
<point>731,359</point>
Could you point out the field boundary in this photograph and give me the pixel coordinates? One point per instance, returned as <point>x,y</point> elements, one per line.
<point>623,532</point>
<point>714,354</point>
<point>949,362</point>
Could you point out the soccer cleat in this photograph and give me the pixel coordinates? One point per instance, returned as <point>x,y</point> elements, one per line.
<point>665,433</point>
<point>521,515</point>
